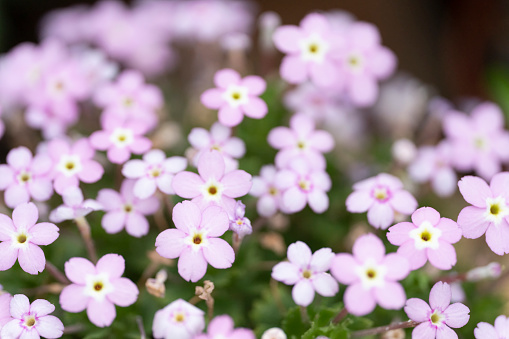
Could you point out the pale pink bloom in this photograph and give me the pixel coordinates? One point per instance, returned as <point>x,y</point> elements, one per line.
<point>74,206</point>
<point>178,320</point>
<point>302,184</point>
<point>239,223</point>
<point>371,275</point>
<point>488,331</point>
<point>491,271</point>
<point>268,191</point>
<point>434,164</point>
<point>309,50</point>
<point>126,210</point>
<point>274,333</point>
<point>5,314</point>
<point>25,177</point>
<point>427,237</point>
<point>32,320</point>
<point>131,98</point>
<point>307,271</point>
<point>212,186</point>
<point>195,240</point>
<point>51,124</point>
<point>73,163</point>
<point>97,288</point>
<point>21,237</point>
<point>381,196</point>
<point>222,327</point>
<point>437,317</point>
<point>362,62</point>
<point>219,138</point>
<point>155,171</point>
<point>490,211</point>
<point>120,138</point>
<point>235,97</point>
<point>301,140</point>
<point>479,141</point>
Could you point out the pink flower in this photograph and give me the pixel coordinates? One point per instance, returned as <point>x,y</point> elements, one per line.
<point>371,275</point>
<point>488,331</point>
<point>307,272</point>
<point>381,196</point>
<point>479,141</point>
<point>97,288</point>
<point>302,184</point>
<point>21,237</point>
<point>219,138</point>
<point>32,320</point>
<point>130,98</point>
<point>73,163</point>
<point>434,164</point>
<point>301,140</point>
<point>196,240</point>
<point>309,50</point>
<point>268,191</point>
<point>362,62</point>
<point>5,314</point>
<point>155,171</point>
<point>239,223</point>
<point>427,237</point>
<point>222,327</point>
<point>212,186</point>
<point>489,213</point>
<point>437,319</point>
<point>120,139</point>
<point>235,96</point>
<point>179,320</point>
<point>25,176</point>
<point>74,206</point>
<point>125,210</point>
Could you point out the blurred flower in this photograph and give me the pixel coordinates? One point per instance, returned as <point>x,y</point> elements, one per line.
<point>427,237</point>
<point>403,151</point>
<point>178,320</point>
<point>437,319</point>
<point>268,191</point>
<point>32,320</point>
<point>371,275</point>
<point>195,240</point>
<point>21,237</point>
<point>307,272</point>
<point>97,288</point>
<point>490,271</point>
<point>489,212</point>
<point>274,333</point>
<point>235,97</point>
<point>381,196</point>
<point>488,331</point>
<point>74,206</point>
<point>222,327</point>
<point>5,314</point>
<point>126,210</point>
<point>239,223</point>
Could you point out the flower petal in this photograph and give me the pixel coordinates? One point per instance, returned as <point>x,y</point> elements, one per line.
<point>474,190</point>
<point>76,269</point>
<point>25,215</point>
<point>125,292</point>
<point>456,315</point>
<point>417,310</point>
<point>324,284</point>
<point>101,313</point>
<point>31,259</point>
<point>440,295</point>
<point>286,272</point>
<point>73,298</point>
<point>303,293</point>
<point>50,327</point>
<point>358,301</point>
<point>218,253</point>
<point>391,296</point>
<point>192,266</point>
<point>112,264</point>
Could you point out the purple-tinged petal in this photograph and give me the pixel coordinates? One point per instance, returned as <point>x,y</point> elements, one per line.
<point>426,214</point>
<point>192,266</point>
<point>440,295</point>
<point>358,301</point>
<point>101,313</point>
<point>19,158</point>
<point>502,325</point>
<point>40,189</point>
<point>76,269</point>
<point>174,164</point>
<point>474,190</point>
<point>281,137</point>
<point>83,148</point>
<point>100,140</point>
<point>303,292</point>
<point>43,233</point>
<point>31,259</point>
<point>218,253</point>
<point>403,202</point>
<point>359,201</point>
<point>497,237</point>
<point>211,165</point>
<point>221,325</point>
<point>322,141</point>
<point>293,69</point>
<point>456,315</point>
<point>255,84</point>
<point>397,266</point>
<point>186,216</point>
<point>20,305</point>
<point>187,184</point>
<point>417,258</point>
<point>230,116</point>
<point>114,221</point>
<point>212,98</point>
<point>399,233</point>
<point>391,296</point>
<point>485,331</point>
<point>6,176</point>
<point>163,183</point>
<point>225,77</point>
<point>63,182</point>
<point>444,182</point>
<point>109,199</point>
<point>444,257</point>
<point>136,225</point>
<point>286,38</point>
<point>125,292</point>
<point>50,327</point>
<point>41,307</point>
<point>445,332</point>
<point>236,183</point>
<point>118,155</point>
<point>299,254</point>
<point>318,201</point>
<point>92,172</point>
<point>324,284</point>
<point>134,169</point>
<point>363,91</point>
<point>144,188</point>
<point>343,268</point>
<point>286,272</point>
<point>417,310</point>
<point>111,264</point>
<point>199,137</point>
<point>215,221</point>
<point>73,298</point>
<point>12,329</point>
<point>147,206</point>
<point>382,62</point>
<point>321,260</point>
<point>294,200</point>
<point>380,215</point>
<point>170,243</point>
<point>324,74</point>
<point>364,35</point>
<point>25,215</point>
<point>499,185</point>
<point>472,221</point>
<point>451,232</point>
<point>424,331</point>
<point>256,108</point>
<point>367,247</point>
<point>267,206</point>
<point>6,228</point>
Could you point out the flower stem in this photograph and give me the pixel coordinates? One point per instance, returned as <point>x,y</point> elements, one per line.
<point>304,315</point>
<point>383,329</point>
<point>55,272</point>
<point>84,229</point>
<point>341,315</point>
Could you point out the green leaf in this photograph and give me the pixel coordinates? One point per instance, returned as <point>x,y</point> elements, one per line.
<point>293,325</point>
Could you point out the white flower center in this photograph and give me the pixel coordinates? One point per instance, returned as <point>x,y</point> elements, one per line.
<point>128,102</point>
<point>179,317</point>
<point>381,193</point>
<point>98,286</point>
<point>273,191</point>
<point>436,318</point>
<point>236,95</point>
<point>371,274</point>
<point>212,190</point>
<point>122,137</point>
<point>355,62</point>
<point>307,274</point>
<point>301,145</point>
<point>496,209</point>
<point>304,184</point>
<point>24,177</point>
<point>196,239</point>
<point>426,236</point>
<point>480,143</point>
<point>20,239</point>
<point>128,208</point>
<point>155,171</point>
<point>313,48</point>
<point>29,321</point>
<point>70,165</point>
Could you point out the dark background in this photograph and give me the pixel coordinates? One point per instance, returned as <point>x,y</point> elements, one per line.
<point>445,43</point>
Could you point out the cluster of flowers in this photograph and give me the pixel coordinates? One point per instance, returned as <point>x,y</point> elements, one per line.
<point>140,37</point>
